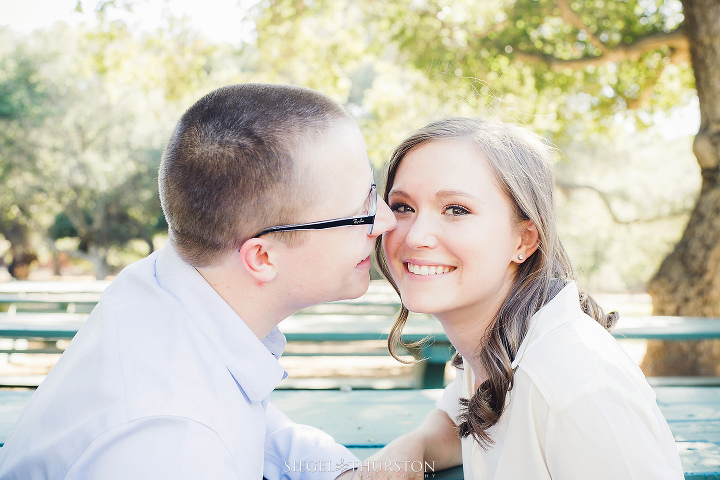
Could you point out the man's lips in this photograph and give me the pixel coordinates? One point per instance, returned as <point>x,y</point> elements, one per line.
<point>365,262</point>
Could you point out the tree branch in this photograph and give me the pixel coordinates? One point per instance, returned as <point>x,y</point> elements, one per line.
<point>606,199</point>
<point>494,28</point>
<point>676,40</point>
<point>571,17</point>
<point>634,103</point>
<point>676,57</point>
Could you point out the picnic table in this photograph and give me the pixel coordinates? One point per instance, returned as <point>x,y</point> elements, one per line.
<point>366,420</point>
<point>315,329</point>
<point>366,319</point>
<point>68,296</point>
<point>326,327</point>
<point>76,296</point>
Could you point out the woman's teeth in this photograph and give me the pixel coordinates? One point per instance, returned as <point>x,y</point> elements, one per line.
<point>427,269</point>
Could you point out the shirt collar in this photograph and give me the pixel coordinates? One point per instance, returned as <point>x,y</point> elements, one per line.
<point>252,363</point>
<point>562,308</point>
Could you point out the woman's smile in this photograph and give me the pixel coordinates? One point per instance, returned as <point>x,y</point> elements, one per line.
<point>425,270</point>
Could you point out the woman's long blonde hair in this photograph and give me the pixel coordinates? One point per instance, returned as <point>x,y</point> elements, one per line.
<point>522,164</point>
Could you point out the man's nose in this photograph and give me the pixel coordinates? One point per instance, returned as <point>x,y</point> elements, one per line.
<point>384,219</point>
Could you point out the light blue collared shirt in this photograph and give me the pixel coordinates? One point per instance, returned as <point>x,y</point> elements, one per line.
<point>163,381</point>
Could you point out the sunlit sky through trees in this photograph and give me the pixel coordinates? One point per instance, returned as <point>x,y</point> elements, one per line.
<point>219,20</point>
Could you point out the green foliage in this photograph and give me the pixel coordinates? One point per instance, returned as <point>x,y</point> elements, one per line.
<point>63,227</point>
<point>25,104</point>
<point>85,112</point>
<point>316,44</point>
<point>82,148</point>
<point>557,65</point>
<point>21,95</point>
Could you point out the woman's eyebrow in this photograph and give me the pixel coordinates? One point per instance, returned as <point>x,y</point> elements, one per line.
<point>398,192</point>
<point>441,194</point>
<point>456,193</point>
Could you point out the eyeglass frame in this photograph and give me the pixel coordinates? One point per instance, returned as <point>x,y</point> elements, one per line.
<point>368,220</point>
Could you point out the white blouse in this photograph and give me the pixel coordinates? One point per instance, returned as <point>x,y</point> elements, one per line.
<point>580,408</point>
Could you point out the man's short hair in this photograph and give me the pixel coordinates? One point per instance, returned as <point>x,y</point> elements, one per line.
<point>229,169</point>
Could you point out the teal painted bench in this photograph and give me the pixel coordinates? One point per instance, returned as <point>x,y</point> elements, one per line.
<point>366,420</point>
<point>50,302</point>
<point>327,327</point>
<point>314,328</point>
<point>70,296</point>
<point>81,296</point>
<point>667,328</point>
<point>331,325</point>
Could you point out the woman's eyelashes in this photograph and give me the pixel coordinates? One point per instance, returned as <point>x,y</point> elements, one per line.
<point>399,207</point>
<point>452,210</point>
<point>456,210</point>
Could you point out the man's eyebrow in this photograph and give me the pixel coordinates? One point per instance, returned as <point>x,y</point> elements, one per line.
<point>361,209</point>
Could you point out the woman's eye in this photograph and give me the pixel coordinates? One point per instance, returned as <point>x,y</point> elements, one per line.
<point>400,208</point>
<point>456,210</point>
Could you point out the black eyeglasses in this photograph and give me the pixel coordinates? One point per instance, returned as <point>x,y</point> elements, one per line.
<point>368,219</point>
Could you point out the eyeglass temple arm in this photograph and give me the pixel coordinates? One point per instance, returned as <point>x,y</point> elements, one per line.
<point>363,220</point>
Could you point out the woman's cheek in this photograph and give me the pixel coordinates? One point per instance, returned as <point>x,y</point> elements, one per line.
<point>390,246</point>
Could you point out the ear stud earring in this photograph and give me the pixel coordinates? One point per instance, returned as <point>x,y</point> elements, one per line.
<point>521,257</point>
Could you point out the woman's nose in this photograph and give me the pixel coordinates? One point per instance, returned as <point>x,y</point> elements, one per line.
<point>421,233</point>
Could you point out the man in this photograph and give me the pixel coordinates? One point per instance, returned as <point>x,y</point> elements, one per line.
<point>170,376</point>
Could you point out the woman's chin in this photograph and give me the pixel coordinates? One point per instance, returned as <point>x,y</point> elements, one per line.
<point>420,306</point>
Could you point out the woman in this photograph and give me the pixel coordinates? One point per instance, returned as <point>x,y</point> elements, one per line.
<point>542,390</point>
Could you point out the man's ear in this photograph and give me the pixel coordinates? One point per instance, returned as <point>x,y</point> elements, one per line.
<point>257,258</point>
<point>529,241</point>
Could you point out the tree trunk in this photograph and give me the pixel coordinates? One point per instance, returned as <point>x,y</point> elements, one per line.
<point>22,260</point>
<point>98,257</point>
<point>688,281</point>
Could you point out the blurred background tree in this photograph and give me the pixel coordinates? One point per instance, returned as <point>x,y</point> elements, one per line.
<point>610,82</point>
<point>570,69</point>
<point>86,113</point>
<point>24,102</point>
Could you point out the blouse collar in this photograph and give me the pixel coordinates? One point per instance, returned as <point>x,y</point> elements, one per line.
<point>561,309</point>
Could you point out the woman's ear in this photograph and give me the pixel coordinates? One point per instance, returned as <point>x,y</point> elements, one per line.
<point>529,241</point>
<point>256,256</point>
